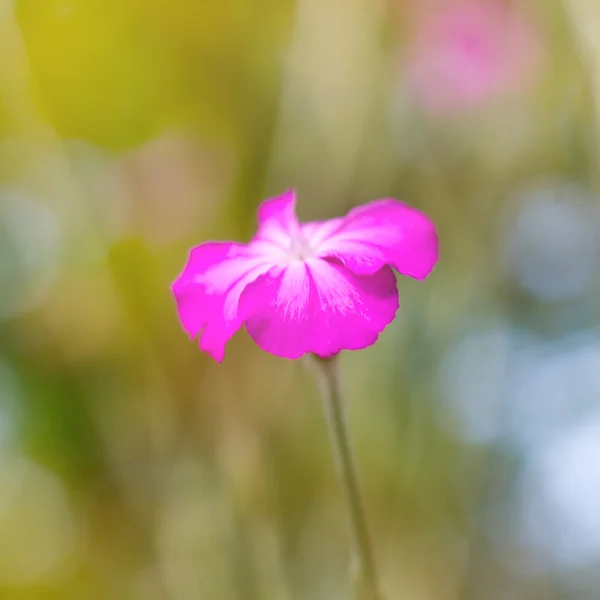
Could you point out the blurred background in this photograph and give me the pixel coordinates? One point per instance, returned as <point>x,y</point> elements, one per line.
<point>132,466</point>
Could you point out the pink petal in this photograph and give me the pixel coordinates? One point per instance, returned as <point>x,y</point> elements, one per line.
<point>208,290</point>
<point>277,221</point>
<point>383,232</point>
<point>318,306</point>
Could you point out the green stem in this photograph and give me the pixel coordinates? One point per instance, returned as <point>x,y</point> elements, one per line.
<point>366,587</point>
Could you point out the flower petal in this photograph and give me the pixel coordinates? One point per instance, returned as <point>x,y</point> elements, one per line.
<point>317,306</point>
<point>277,221</point>
<point>208,290</point>
<point>379,233</point>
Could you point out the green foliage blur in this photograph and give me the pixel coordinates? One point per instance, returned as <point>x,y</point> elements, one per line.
<point>134,467</point>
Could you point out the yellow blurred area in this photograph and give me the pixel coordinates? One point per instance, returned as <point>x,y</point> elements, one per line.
<point>116,73</point>
<point>134,467</point>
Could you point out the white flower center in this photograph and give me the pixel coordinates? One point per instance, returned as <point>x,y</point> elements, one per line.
<point>300,249</point>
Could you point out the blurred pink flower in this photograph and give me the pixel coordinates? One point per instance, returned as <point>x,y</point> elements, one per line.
<point>317,287</point>
<point>465,51</point>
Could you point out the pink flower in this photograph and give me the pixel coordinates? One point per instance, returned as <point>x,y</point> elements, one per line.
<point>467,51</point>
<point>317,287</point>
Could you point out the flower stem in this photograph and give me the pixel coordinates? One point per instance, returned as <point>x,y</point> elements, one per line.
<point>365,576</point>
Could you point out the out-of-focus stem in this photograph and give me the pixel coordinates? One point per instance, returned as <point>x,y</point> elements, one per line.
<point>365,577</point>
